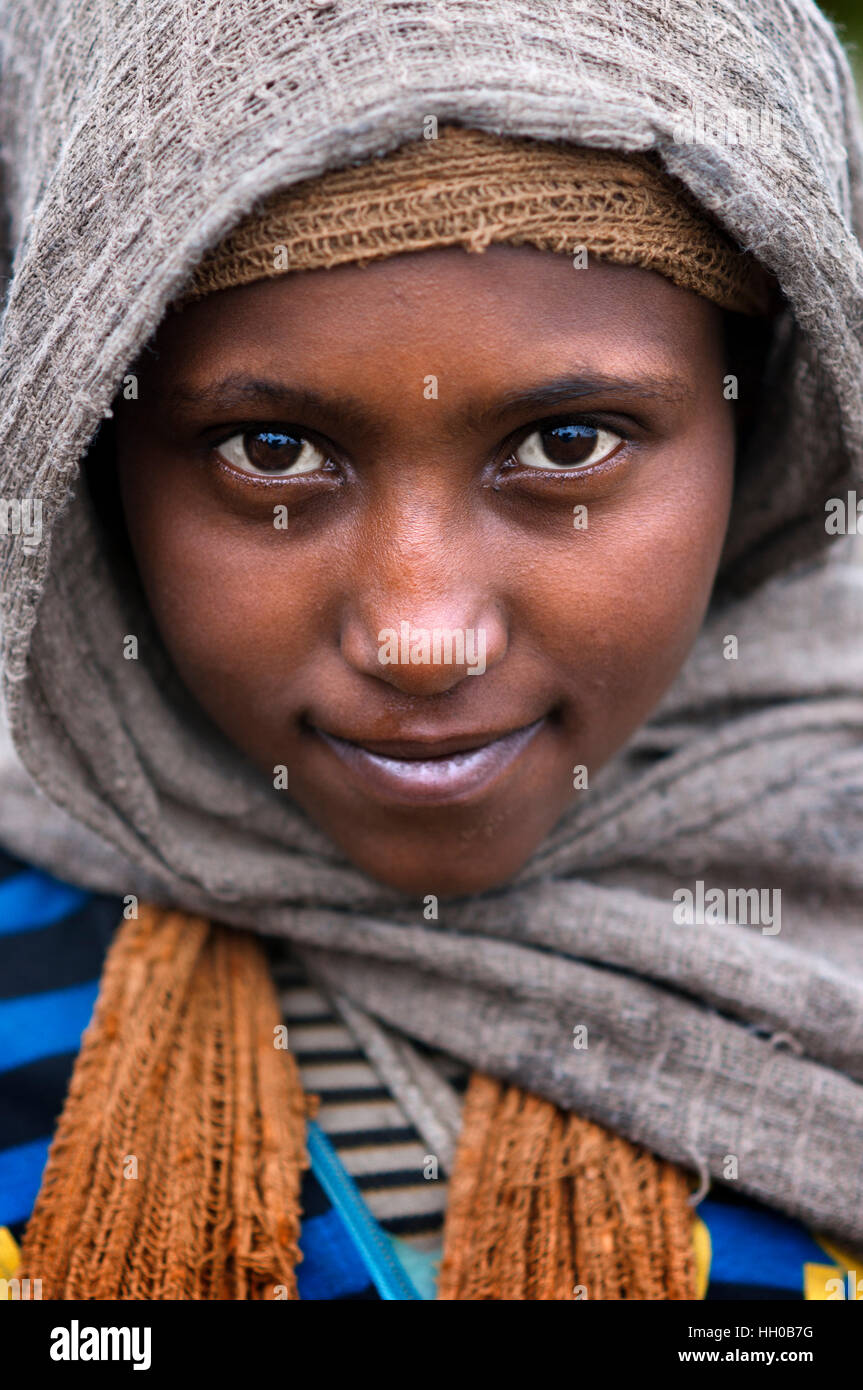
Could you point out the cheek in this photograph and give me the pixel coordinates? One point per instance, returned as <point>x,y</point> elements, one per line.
<point>629,594</point>
<point>237,609</point>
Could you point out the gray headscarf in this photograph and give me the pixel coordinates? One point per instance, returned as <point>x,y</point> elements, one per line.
<point>132,139</point>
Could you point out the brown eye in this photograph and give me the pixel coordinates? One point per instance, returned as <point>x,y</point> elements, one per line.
<point>566,446</point>
<point>269,453</point>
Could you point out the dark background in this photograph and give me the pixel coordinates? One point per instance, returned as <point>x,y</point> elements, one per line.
<point>848,17</point>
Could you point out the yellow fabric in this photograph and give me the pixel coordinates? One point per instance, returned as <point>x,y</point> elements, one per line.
<point>819,1284</point>
<point>10,1255</point>
<point>846,1259</point>
<point>818,1275</point>
<point>817,1278</point>
<point>703,1256</point>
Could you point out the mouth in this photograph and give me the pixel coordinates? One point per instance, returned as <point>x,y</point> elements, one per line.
<point>426,773</point>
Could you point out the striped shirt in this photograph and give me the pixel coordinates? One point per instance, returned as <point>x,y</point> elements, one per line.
<point>372,1210</point>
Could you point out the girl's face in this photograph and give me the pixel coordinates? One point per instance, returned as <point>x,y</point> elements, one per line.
<point>433,536</point>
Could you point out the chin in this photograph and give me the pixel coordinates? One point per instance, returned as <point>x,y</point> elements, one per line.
<point>430,874</point>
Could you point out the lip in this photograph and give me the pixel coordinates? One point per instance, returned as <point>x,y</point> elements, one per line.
<point>418,772</point>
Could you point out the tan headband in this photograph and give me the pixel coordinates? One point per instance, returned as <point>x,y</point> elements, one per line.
<point>472,188</point>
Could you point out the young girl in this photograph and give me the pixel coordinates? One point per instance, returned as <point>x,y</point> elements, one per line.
<point>431,646</point>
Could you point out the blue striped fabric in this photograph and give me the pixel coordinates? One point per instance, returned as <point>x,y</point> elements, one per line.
<point>30,900</point>
<point>44,1025</point>
<point>20,1175</point>
<point>53,938</point>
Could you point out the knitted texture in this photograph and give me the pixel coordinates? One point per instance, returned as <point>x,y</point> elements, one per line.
<point>544,1205</point>
<point>130,147</point>
<point>470,188</point>
<point>175,1169</point>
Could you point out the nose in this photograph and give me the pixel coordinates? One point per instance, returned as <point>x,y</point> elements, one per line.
<point>422,615</point>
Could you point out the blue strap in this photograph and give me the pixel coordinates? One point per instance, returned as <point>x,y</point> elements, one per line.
<point>387,1273</point>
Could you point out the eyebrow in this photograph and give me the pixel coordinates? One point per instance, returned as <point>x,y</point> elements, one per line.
<point>237,390</point>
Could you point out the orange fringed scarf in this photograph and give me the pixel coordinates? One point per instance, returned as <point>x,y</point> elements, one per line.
<point>175,1169</point>
<point>544,1205</point>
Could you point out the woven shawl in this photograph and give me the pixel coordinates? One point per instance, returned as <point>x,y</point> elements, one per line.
<point>132,140</point>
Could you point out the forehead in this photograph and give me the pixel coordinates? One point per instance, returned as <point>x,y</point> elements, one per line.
<point>494,315</point>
